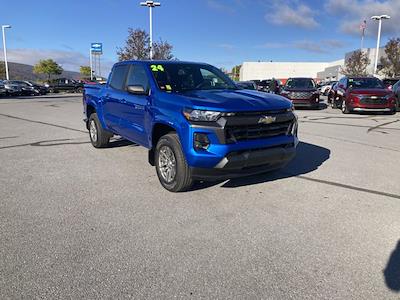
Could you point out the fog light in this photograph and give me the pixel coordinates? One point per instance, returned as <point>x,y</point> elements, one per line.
<point>201,141</point>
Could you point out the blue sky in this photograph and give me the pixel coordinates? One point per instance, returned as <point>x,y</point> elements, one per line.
<point>221,32</point>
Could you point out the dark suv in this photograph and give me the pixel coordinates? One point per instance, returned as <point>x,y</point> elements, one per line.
<point>65,85</point>
<point>263,85</point>
<point>364,94</point>
<point>302,92</point>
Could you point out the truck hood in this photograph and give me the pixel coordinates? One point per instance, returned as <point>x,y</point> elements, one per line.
<point>235,100</point>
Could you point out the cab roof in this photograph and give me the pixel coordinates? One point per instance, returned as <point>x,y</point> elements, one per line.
<point>164,62</point>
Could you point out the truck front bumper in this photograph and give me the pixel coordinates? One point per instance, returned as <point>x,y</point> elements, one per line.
<point>247,162</point>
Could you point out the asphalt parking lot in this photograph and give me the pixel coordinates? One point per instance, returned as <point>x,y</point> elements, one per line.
<point>79,222</point>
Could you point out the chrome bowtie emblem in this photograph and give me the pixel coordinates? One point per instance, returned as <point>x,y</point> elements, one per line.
<point>266,120</point>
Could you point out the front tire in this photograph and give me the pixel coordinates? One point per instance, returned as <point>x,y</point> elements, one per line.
<point>171,166</point>
<point>98,136</point>
<point>345,109</point>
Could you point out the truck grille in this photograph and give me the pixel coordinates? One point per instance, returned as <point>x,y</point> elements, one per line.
<point>369,100</point>
<point>244,132</point>
<point>300,95</point>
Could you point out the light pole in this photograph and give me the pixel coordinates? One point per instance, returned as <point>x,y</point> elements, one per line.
<point>3,27</point>
<point>91,63</point>
<point>378,18</point>
<point>150,5</point>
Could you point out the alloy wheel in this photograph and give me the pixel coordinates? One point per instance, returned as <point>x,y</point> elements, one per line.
<point>167,164</point>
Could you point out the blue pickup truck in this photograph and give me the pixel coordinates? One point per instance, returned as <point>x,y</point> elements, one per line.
<point>196,123</point>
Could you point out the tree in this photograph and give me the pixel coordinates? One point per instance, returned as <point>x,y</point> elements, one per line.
<point>85,71</point>
<point>47,66</point>
<point>356,64</point>
<point>2,70</point>
<point>236,72</point>
<point>391,63</point>
<point>137,46</point>
<point>162,50</point>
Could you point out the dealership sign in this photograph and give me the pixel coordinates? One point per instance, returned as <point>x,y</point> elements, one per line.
<point>96,48</point>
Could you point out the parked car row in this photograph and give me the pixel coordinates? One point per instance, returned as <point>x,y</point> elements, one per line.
<point>30,88</point>
<point>21,88</point>
<point>350,94</point>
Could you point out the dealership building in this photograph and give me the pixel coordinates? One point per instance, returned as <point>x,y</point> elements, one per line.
<point>285,70</point>
<point>321,71</point>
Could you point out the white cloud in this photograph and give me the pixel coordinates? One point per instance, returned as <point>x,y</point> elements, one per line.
<point>283,14</point>
<point>312,47</point>
<point>332,43</point>
<point>323,46</point>
<point>220,6</point>
<point>69,60</point>
<point>272,45</point>
<point>227,47</point>
<point>353,12</point>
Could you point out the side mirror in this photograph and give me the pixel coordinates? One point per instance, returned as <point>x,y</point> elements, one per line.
<point>136,90</point>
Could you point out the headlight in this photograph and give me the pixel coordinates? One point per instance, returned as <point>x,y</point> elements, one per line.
<point>201,115</point>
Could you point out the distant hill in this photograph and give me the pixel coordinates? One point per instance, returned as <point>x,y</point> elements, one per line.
<point>25,72</point>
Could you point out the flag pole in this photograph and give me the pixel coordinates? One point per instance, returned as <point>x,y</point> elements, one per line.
<point>363,26</point>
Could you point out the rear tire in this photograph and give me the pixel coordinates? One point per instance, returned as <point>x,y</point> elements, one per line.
<point>171,166</point>
<point>99,137</point>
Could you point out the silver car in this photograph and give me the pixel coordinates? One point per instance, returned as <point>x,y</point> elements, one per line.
<point>3,90</point>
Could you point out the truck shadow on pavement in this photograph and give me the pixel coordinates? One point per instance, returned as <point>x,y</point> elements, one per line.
<point>309,157</point>
<point>114,143</point>
<point>392,270</point>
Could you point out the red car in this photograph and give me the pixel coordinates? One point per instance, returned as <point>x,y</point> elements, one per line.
<point>364,94</point>
<point>302,92</point>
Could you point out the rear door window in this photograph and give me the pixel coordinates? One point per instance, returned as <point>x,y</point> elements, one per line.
<point>118,77</point>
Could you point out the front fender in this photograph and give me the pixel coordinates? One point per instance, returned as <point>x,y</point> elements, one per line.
<point>179,126</point>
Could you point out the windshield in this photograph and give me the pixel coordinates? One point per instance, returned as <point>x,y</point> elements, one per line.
<point>246,85</point>
<point>300,83</point>
<point>177,77</point>
<point>366,83</point>
<point>18,82</point>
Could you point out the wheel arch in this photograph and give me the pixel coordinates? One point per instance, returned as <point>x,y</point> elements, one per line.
<point>158,130</point>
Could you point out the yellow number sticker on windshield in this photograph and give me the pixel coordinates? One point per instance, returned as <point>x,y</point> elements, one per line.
<point>156,68</point>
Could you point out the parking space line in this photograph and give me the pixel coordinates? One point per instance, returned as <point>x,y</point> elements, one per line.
<point>346,186</point>
<point>380,125</point>
<point>43,123</point>
<point>350,142</point>
<point>348,125</point>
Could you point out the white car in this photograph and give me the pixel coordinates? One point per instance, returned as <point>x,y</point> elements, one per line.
<point>326,88</point>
